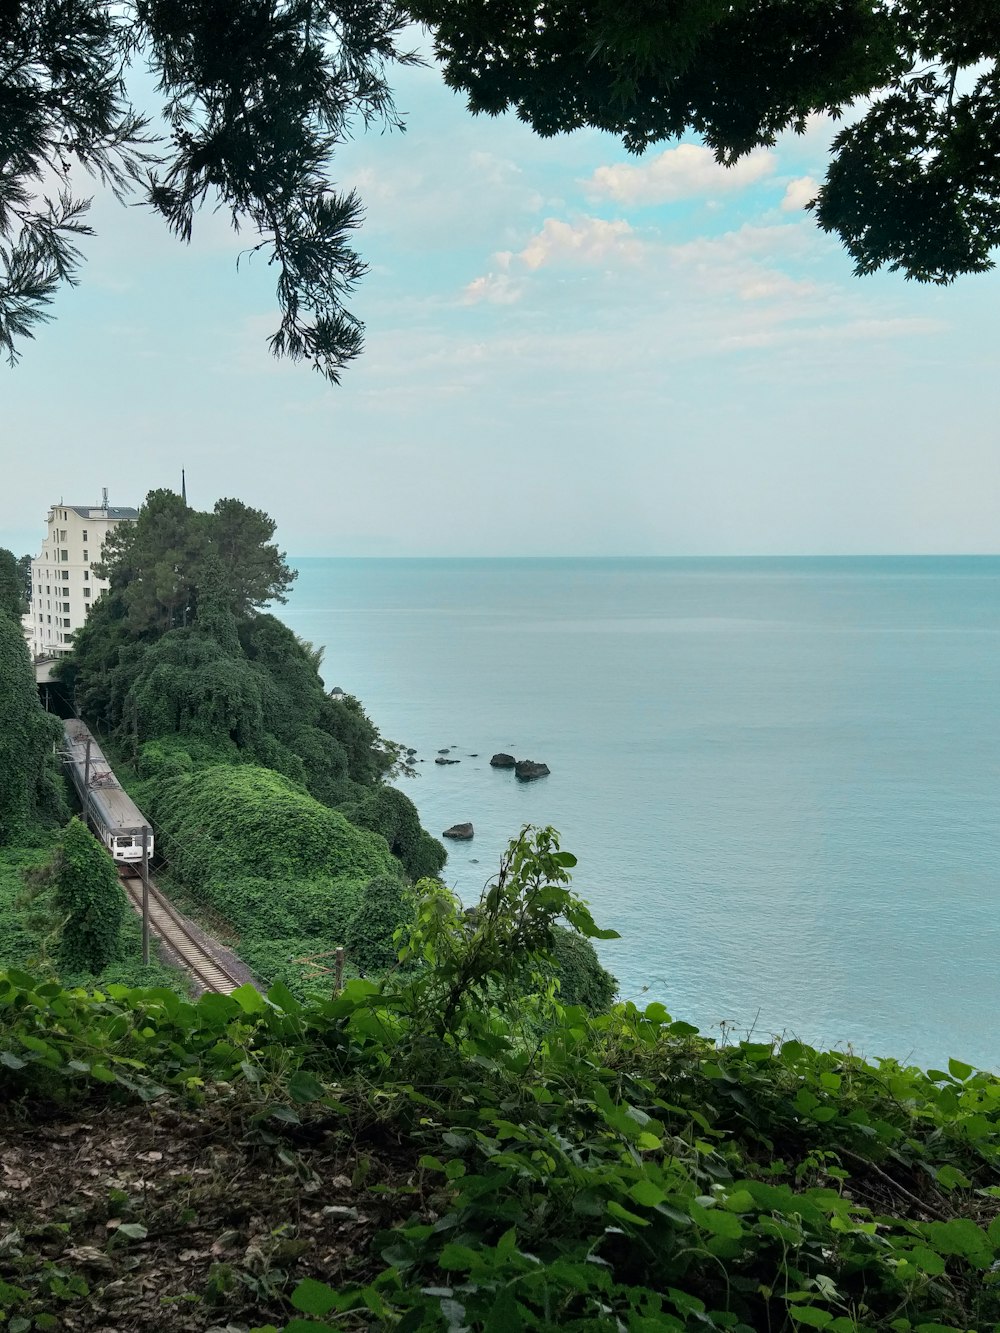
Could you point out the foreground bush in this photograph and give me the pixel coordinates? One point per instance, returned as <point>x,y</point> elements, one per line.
<point>613,1173</point>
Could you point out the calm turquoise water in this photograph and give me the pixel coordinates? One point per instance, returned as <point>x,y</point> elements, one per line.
<point>780,777</point>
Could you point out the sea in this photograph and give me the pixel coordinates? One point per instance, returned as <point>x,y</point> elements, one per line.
<point>780,777</point>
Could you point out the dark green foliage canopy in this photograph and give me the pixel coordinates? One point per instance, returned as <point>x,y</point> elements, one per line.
<point>29,782</point>
<point>173,557</point>
<point>914,181</point>
<point>11,585</point>
<point>255,95</point>
<point>88,894</point>
<point>178,649</point>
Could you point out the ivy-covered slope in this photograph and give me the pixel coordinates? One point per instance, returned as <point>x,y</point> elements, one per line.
<point>30,790</point>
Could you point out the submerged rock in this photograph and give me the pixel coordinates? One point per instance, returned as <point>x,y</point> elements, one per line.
<point>527,770</point>
<point>460,832</point>
<point>441,760</point>
<point>503,761</point>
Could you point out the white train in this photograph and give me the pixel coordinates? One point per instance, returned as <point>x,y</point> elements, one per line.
<point>114,816</point>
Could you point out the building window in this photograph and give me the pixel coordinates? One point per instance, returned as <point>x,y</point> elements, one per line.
<point>66,607</point>
<point>65,574</point>
<point>49,619</point>
<point>86,576</point>
<point>86,557</point>
<point>65,625</point>
<point>86,592</point>
<point>85,538</point>
<point>64,555</point>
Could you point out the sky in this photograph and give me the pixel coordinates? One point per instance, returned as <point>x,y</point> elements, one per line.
<point>570,351</point>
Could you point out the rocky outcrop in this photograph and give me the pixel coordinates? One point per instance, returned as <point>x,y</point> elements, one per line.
<point>442,760</point>
<point>526,770</point>
<point>460,832</point>
<point>503,761</point>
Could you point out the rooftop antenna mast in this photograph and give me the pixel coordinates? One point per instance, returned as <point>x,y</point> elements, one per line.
<point>184,493</point>
<point>104,499</point>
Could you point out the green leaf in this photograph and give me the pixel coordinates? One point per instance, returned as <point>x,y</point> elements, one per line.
<point>623,1214</point>
<point>928,1261</point>
<point>312,1297</point>
<point>133,1230</point>
<point>457,1258</point>
<point>951,1178</point>
<point>959,1069</point>
<point>11,1060</point>
<point>740,1201</point>
<point>716,1221</point>
<point>811,1315</point>
<point>286,1114</point>
<point>648,1194</point>
<point>304,1087</point>
<point>249,999</point>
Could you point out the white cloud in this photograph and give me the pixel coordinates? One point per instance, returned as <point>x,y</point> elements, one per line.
<point>683,172</point>
<point>783,241</point>
<point>496,288</point>
<point>800,192</point>
<point>588,241</point>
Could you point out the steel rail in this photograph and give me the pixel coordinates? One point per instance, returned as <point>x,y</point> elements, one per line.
<point>173,930</point>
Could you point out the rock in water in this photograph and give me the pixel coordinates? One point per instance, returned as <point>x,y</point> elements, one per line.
<point>446,750</point>
<point>460,832</point>
<point>441,760</point>
<point>527,770</point>
<point>503,761</point>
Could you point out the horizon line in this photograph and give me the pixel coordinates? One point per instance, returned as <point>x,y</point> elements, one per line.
<point>836,555</point>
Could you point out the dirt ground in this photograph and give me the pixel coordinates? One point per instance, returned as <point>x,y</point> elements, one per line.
<point>185,1220</point>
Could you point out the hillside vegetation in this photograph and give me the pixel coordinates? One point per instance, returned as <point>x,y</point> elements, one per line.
<point>270,798</point>
<point>453,1149</point>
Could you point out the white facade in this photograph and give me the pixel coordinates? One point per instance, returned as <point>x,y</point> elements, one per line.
<point>63,584</point>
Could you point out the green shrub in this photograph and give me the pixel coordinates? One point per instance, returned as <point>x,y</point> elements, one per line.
<point>237,822</point>
<point>385,904</point>
<point>88,894</point>
<point>30,786</point>
<point>388,811</point>
<point>582,979</point>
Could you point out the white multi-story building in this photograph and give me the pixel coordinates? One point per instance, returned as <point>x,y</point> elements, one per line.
<point>63,583</point>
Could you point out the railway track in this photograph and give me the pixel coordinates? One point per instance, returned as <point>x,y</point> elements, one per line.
<point>170,926</point>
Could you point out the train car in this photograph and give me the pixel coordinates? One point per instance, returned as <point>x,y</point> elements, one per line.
<point>114,816</point>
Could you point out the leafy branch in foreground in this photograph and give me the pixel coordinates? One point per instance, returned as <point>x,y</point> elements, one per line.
<point>256,97</point>
<point>501,951</point>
